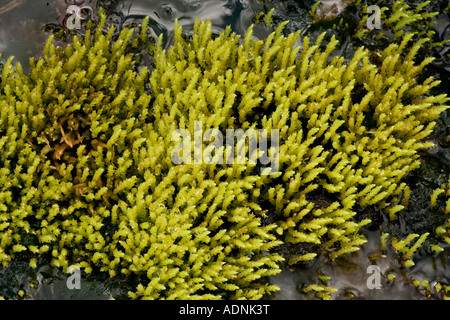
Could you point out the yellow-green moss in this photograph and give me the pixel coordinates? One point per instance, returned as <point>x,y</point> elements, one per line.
<point>87,178</point>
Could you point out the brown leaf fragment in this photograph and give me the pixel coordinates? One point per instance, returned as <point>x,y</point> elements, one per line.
<point>79,188</point>
<point>59,150</point>
<point>95,143</point>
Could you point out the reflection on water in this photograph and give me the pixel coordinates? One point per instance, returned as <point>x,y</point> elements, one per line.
<point>24,27</point>
<point>24,24</point>
<point>349,275</point>
<point>21,23</point>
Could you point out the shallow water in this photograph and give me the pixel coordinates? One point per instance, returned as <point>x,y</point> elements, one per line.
<point>24,27</point>
<point>350,275</point>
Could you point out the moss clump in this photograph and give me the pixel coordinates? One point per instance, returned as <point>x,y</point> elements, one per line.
<point>399,17</point>
<point>433,288</point>
<point>443,231</point>
<point>87,177</point>
<point>86,170</point>
<point>413,246</point>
